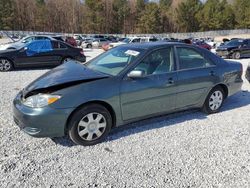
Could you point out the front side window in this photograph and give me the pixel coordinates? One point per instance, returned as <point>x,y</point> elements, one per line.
<point>158,62</point>
<point>115,60</point>
<point>38,46</point>
<point>190,59</point>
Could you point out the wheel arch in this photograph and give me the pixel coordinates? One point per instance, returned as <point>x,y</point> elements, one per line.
<point>102,103</point>
<point>66,57</point>
<point>223,86</point>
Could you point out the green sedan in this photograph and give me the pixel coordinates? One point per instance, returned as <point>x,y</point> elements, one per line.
<point>125,84</point>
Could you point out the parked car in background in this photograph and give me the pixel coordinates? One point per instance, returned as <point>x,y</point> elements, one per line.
<point>97,43</point>
<point>79,39</point>
<point>21,43</point>
<point>71,41</point>
<point>248,73</point>
<point>125,84</point>
<point>202,44</point>
<point>39,53</point>
<point>125,41</point>
<point>87,43</point>
<point>112,38</point>
<point>235,49</point>
<point>133,40</point>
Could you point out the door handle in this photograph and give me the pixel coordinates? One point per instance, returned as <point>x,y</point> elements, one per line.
<point>212,73</point>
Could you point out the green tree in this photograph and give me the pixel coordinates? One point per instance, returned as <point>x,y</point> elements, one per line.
<point>6,15</point>
<point>242,13</point>
<point>149,22</point>
<point>187,15</point>
<point>121,11</point>
<point>216,15</point>
<point>94,16</point>
<point>165,5</point>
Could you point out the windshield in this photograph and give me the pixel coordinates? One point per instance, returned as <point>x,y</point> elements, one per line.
<point>235,43</point>
<point>115,60</point>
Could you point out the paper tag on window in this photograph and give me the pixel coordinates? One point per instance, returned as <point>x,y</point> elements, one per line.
<point>132,52</point>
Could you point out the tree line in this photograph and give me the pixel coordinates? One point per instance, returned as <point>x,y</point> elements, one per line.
<point>123,16</point>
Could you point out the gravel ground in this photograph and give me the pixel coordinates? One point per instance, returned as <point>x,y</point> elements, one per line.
<point>187,149</point>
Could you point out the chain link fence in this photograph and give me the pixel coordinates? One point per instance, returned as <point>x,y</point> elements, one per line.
<point>205,34</point>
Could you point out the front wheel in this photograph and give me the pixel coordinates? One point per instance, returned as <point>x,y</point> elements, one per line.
<point>214,100</point>
<point>89,46</point>
<point>90,125</point>
<point>5,65</point>
<point>237,55</point>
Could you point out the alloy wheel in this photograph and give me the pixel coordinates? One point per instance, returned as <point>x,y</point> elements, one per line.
<point>5,65</point>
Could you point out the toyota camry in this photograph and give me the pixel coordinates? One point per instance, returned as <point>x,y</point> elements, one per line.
<point>125,84</point>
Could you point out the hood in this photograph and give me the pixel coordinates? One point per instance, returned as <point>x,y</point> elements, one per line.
<point>65,75</point>
<point>16,45</point>
<point>6,52</point>
<point>225,47</point>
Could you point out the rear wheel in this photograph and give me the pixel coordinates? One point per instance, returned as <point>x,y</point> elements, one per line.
<point>214,100</point>
<point>65,60</point>
<point>90,125</point>
<point>5,65</point>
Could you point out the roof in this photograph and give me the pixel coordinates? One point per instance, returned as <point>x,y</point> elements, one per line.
<point>149,45</point>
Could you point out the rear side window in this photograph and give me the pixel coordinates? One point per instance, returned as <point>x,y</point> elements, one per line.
<point>191,59</point>
<point>58,45</point>
<point>41,38</point>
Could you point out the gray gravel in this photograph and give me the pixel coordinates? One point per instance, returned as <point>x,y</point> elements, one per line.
<point>187,149</point>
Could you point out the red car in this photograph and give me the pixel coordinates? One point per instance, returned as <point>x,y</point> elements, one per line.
<point>71,41</point>
<point>203,45</point>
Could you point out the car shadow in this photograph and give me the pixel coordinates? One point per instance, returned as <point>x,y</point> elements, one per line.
<point>239,100</point>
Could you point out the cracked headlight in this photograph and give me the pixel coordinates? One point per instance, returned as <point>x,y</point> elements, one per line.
<point>40,100</point>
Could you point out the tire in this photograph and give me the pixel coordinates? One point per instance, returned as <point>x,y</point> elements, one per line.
<point>5,65</point>
<point>214,100</point>
<point>90,125</point>
<point>65,59</point>
<point>237,55</point>
<point>89,46</point>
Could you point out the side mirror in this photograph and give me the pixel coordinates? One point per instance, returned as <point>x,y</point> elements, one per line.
<point>136,74</point>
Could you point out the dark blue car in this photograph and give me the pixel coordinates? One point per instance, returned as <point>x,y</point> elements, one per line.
<point>39,53</point>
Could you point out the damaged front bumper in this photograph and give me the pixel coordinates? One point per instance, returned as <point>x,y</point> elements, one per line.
<point>40,122</point>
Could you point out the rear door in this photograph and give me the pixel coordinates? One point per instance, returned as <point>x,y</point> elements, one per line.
<point>196,75</point>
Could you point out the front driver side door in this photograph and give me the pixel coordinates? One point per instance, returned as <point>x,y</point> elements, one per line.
<point>153,93</point>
